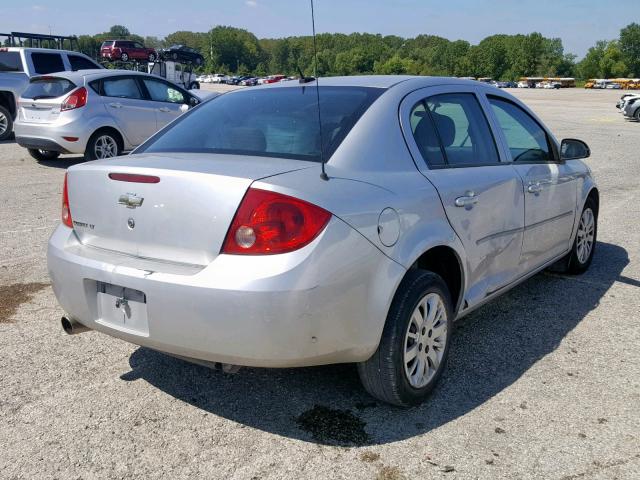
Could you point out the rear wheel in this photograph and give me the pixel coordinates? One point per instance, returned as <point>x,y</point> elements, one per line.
<point>103,144</point>
<point>194,86</point>
<point>43,155</point>
<point>6,123</point>
<point>124,57</point>
<point>415,342</point>
<point>636,115</point>
<point>152,57</point>
<point>174,56</point>
<point>585,243</point>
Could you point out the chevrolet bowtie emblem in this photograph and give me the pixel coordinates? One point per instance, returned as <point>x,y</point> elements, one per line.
<point>130,201</point>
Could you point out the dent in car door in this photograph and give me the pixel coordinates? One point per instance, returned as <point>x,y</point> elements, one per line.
<point>134,115</point>
<point>549,185</point>
<point>482,197</point>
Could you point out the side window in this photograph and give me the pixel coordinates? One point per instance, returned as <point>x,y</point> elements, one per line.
<point>10,62</point>
<point>121,88</point>
<point>526,139</point>
<point>80,63</point>
<point>425,135</point>
<point>47,62</point>
<point>137,45</point>
<point>463,129</point>
<point>163,92</point>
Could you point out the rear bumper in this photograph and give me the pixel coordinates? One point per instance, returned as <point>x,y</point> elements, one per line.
<point>51,136</point>
<point>40,144</point>
<point>326,303</point>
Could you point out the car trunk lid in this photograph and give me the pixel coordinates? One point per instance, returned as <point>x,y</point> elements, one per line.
<point>42,99</point>
<point>168,207</point>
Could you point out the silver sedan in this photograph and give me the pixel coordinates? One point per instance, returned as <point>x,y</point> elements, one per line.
<point>264,229</point>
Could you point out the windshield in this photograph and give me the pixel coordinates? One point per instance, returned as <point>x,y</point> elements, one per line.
<point>48,88</point>
<point>271,122</point>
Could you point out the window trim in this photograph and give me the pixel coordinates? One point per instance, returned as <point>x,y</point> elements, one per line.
<point>550,144</point>
<point>478,101</point>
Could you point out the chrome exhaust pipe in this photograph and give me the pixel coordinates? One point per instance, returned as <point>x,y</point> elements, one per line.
<point>72,327</point>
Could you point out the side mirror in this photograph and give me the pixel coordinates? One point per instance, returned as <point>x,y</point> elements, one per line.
<point>193,101</point>
<point>573,149</point>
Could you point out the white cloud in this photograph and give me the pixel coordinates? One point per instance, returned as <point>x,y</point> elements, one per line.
<point>38,8</point>
<point>251,3</point>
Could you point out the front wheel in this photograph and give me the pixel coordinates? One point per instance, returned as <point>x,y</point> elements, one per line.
<point>194,86</point>
<point>43,155</point>
<point>124,57</point>
<point>152,57</point>
<point>415,341</point>
<point>584,245</point>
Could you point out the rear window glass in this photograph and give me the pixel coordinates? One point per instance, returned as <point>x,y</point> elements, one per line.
<point>47,62</point>
<point>10,62</point>
<point>271,122</point>
<point>48,88</point>
<point>107,44</point>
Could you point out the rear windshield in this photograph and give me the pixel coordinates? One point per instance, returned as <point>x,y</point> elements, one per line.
<point>107,44</point>
<point>48,88</point>
<point>272,122</point>
<point>10,62</point>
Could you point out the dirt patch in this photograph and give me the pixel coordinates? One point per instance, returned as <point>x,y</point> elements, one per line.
<point>12,296</point>
<point>328,425</point>
<point>369,457</point>
<point>390,473</point>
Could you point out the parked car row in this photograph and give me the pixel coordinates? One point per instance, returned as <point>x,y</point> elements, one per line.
<point>127,50</point>
<point>629,105</point>
<point>243,80</point>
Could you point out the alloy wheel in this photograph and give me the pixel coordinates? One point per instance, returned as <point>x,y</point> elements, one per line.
<point>586,230</point>
<point>425,340</point>
<point>105,147</point>
<point>4,123</point>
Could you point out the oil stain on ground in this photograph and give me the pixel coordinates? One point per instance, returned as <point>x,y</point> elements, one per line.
<point>337,427</point>
<point>12,296</point>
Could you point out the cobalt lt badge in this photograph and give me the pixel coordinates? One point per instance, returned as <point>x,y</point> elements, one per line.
<point>131,223</point>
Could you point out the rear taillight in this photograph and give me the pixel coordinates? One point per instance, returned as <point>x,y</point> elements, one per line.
<point>268,223</point>
<point>77,99</point>
<point>66,211</point>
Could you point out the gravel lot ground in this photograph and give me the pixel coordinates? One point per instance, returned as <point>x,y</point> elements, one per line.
<point>542,383</point>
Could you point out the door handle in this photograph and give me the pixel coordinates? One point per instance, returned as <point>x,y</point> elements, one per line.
<point>164,109</point>
<point>115,105</point>
<point>534,187</point>
<point>469,199</point>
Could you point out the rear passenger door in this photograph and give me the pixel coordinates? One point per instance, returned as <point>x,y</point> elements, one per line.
<point>453,145</point>
<point>550,186</point>
<point>134,115</point>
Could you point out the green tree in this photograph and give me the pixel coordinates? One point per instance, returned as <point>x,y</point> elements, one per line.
<point>630,48</point>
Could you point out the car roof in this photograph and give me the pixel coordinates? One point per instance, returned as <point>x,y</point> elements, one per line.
<point>93,73</point>
<point>45,50</point>
<point>377,81</point>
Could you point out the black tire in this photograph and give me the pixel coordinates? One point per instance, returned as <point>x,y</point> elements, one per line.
<point>6,117</point>
<point>90,151</point>
<point>152,57</point>
<point>124,57</point>
<point>194,86</point>
<point>383,375</point>
<point>574,265</point>
<point>198,61</point>
<point>174,56</point>
<point>636,115</point>
<point>43,155</point>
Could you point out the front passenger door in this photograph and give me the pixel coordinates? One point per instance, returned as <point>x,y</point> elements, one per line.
<point>549,185</point>
<point>168,102</point>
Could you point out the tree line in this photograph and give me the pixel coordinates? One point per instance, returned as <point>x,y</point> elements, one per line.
<point>505,57</point>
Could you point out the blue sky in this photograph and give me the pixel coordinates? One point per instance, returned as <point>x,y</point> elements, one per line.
<point>578,22</point>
